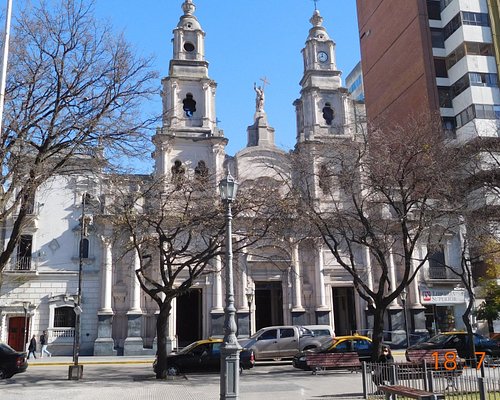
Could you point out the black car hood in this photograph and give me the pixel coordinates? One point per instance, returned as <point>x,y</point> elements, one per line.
<point>424,346</point>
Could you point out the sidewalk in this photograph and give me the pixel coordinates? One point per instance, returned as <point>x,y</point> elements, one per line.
<point>131,378</point>
<point>87,360</point>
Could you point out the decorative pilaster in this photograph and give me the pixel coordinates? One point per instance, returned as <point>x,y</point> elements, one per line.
<point>104,344</point>
<point>133,343</point>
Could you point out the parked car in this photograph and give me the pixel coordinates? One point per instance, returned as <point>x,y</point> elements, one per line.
<point>341,344</point>
<point>459,341</point>
<point>11,361</point>
<point>321,330</point>
<point>282,341</point>
<point>202,356</point>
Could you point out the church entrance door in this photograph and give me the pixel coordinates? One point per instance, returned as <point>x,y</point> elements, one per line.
<point>268,304</point>
<point>344,311</point>
<point>189,317</point>
<point>16,333</point>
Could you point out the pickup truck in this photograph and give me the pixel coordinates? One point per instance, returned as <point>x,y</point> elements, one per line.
<point>282,342</point>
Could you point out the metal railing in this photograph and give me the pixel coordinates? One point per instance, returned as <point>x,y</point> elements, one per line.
<point>460,380</point>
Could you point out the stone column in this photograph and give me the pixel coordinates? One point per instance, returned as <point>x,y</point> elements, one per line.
<point>298,311</point>
<point>133,343</point>
<point>322,310</point>
<point>104,344</point>
<point>392,275</point>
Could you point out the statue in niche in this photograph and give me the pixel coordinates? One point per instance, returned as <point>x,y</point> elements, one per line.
<point>201,170</point>
<point>178,172</point>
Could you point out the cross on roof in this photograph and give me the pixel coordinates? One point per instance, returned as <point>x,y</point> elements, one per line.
<point>264,82</point>
<point>315,4</point>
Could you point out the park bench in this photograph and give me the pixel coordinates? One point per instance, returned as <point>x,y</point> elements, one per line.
<point>394,390</point>
<point>323,361</point>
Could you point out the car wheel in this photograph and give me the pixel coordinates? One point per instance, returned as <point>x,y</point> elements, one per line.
<point>3,374</point>
<point>173,370</point>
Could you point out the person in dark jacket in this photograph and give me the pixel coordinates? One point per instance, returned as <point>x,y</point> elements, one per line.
<point>383,372</point>
<point>32,347</point>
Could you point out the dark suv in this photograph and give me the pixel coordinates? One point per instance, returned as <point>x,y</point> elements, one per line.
<point>11,361</point>
<point>459,341</point>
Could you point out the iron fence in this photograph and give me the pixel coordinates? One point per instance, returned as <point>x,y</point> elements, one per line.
<point>464,379</point>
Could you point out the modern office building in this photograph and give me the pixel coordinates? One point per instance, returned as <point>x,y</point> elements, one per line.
<point>432,55</point>
<point>439,57</point>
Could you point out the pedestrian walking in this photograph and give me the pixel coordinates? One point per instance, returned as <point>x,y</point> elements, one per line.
<point>32,347</point>
<point>44,344</point>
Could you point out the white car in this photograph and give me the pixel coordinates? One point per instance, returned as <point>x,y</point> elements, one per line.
<point>321,330</point>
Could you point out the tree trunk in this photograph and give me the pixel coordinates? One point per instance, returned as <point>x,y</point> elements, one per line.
<point>471,348</point>
<point>161,337</point>
<point>378,331</point>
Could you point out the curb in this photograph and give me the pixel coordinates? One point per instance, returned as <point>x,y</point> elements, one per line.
<point>43,363</point>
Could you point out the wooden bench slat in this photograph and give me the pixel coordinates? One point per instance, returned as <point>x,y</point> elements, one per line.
<point>319,361</point>
<point>410,392</point>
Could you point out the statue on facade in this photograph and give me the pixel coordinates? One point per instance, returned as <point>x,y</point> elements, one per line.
<point>259,99</point>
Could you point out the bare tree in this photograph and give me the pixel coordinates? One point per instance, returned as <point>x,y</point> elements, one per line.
<point>374,200</point>
<point>73,99</point>
<point>177,229</point>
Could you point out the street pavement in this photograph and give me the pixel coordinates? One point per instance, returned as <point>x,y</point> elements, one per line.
<point>131,378</point>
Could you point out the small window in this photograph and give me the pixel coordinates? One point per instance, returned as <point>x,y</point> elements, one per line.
<point>286,333</point>
<point>84,248</point>
<point>268,335</point>
<point>64,317</point>
<point>189,105</point>
<point>362,345</point>
<point>344,346</point>
<point>437,38</point>
<point>434,9</point>
<point>444,97</point>
<point>24,249</point>
<point>440,67</point>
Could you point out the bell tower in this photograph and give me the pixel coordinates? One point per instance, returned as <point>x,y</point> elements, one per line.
<point>189,136</point>
<point>323,108</point>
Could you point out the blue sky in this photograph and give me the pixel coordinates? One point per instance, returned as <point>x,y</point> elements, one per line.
<point>245,40</point>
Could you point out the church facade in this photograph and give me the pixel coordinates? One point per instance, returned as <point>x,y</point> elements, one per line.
<point>293,281</point>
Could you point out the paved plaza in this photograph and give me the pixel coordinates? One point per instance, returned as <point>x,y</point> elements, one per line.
<point>120,378</point>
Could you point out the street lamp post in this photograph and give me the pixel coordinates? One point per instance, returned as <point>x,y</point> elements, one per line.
<point>76,370</point>
<point>249,295</point>
<point>26,307</point>
<point>230,349</point>
<point>403,295</point>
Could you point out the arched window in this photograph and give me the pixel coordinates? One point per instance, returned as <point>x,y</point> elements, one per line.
<point>189,105</point>
<point>328,113</point>
<point>84,248</point>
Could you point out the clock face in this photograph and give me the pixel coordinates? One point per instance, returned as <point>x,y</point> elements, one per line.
<point>322,57</point>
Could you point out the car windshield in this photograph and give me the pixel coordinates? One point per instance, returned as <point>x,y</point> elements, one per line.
<point>327,344</point>
<point>439,339</point>
<point>188,348</point>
